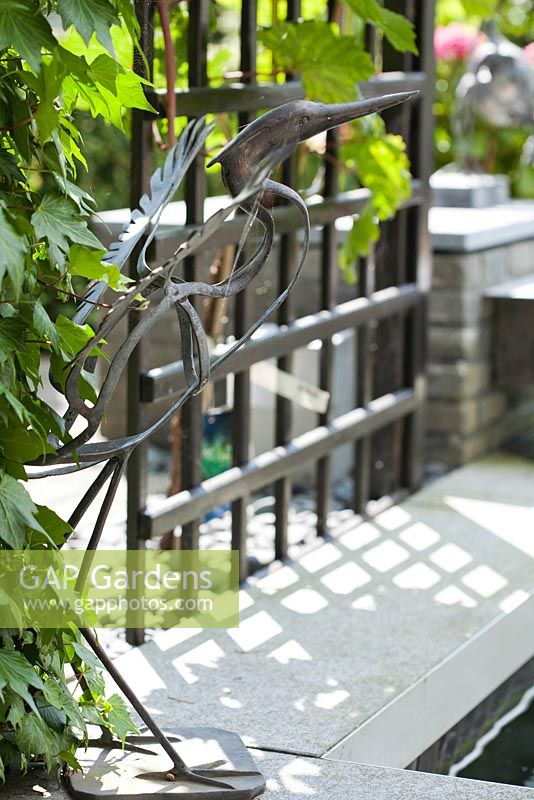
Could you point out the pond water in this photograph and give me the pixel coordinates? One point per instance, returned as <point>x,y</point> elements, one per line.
<point>509,757</point>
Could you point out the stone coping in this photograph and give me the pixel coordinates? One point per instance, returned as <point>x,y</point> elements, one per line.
<point>291,777</point>
<point>467,230</point>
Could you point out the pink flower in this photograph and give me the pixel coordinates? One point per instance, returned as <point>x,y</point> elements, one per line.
<point>454,42</point>
<point>529,52</point>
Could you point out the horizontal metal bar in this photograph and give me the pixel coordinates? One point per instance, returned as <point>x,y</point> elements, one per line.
<point>243,97</point>
<point>163,382</point>
<point>236,98</point>
<point>321,210</point>
<point>276,463</point>
<point>391,82</point>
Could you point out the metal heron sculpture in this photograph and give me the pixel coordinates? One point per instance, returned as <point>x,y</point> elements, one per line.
<point>246,163</point>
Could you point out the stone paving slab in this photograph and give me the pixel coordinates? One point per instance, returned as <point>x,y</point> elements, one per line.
<point>296,778</point>
<point>500,477</point>
<point>330,643</point>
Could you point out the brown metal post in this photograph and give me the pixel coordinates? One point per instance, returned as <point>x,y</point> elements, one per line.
<point>283,410</point>
<point>141,170</point>
<point>241,410</point>
<point>195,192</point>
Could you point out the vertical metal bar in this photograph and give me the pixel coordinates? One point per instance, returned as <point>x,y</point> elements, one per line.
<point>283,411</point>
<point>141,169</point>
<point>398,122</point>
<point>420,152</point>
<point>364,386</point>
<point>195,189</point>
<point>241,411</point>
<point>387,452</point>
<point>395,60</point>
<point>328,299</point>
<point>363,378</point>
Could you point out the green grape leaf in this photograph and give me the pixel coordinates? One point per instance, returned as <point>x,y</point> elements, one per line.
<point>130,91</point>
<point>127,11</point>
<point>88,264</point>
<point>54,717</point>
<point>24,28</point>
<point>56,527</point>
<point>57,219</point>
<point>103,71</point>
<point>73,337</point>
<point>397,29</point>
<point>17,674</point>
<point>88,17</point>
<point>95,681</point>
<point>9,166</point>
<point>17,514</point>
<point>56,695</point>
<point>43,325</point>
<point>12,254</point>
<point>69,758</point>
<point>91,715</point>
<point>15,405</point>
<point>14,611</point>
<point>383,167</point>
<point>11,338</point>
<point>330,65</point>
<point>86,655</point>
<point>47,118</point>
<point>364,231</point>
<point>379,159</point>
<point>35,738</point>
<point>23,445</point>
<point>16,710</point>
<point>119,717</point>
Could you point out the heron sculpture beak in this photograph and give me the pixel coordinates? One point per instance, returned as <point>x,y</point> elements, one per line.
<point>285,126</point>
<point>323,117</point>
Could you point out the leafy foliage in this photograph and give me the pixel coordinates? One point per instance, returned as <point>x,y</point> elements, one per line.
<point>47,247</point>
<point>25,29</point>
<point>330,65</point>
<point>381,164</point>
<point>397,30</point>
<point>17,512</point>
<point>316,51</point>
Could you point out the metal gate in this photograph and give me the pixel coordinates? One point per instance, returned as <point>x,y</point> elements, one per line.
<point>387,311</point>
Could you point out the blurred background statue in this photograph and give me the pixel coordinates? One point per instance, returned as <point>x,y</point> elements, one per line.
<point>484,112</point>
<point>498,88</point>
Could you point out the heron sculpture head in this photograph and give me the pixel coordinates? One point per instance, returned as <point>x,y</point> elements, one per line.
<point>284,127</point>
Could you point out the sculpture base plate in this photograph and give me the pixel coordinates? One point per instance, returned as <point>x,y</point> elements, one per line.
<point>142,769</point>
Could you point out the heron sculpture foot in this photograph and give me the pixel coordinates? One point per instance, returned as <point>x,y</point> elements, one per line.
<point>141,768</point>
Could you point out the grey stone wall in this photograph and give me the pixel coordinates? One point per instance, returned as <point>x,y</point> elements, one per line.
<point>467,414</point>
